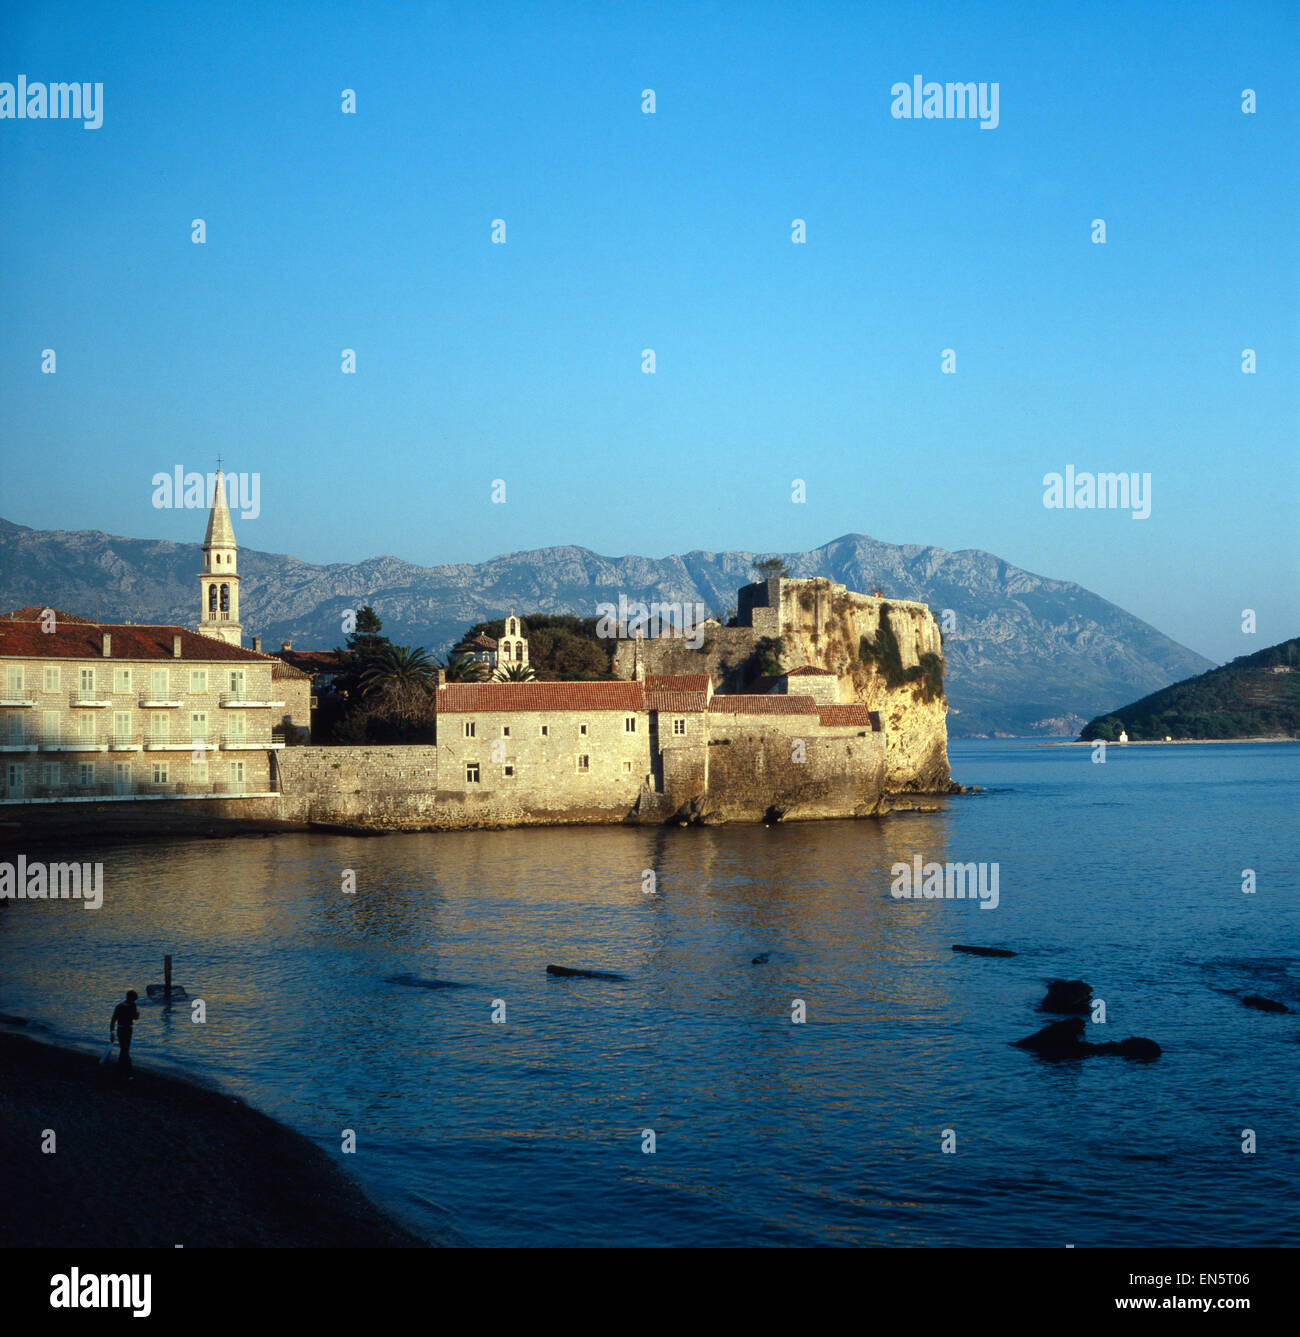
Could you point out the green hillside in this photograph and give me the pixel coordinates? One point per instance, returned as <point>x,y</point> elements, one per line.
<point>1255,696</point>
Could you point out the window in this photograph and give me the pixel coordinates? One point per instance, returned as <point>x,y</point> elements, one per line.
<point>679,726</point>
<point>86,774</point>
<point>88,682</point>
<point>237,684</point>
<point>15,731</point>
<point>510,770</point>
<point>237,734</point>
<point>158,684</point>
<point>469,728</point>
<point>121,726</point>
<point>546,730</point>
<point>471,773</point>
<point>199,725</point>
<point>198,680</point>
<point>505,731</point>
<point>50,726</point>
<point>51,678</point>
<point>121,679</point>
<point>13,680</point>
<point>629,724</point>
<point>159,727</point>
<point>160,772</point>
<point>627,766</point>
<point>86,728</point>
<point>199,771</point>
<point>584,761</point>
<point>582,729</point>
<point>50,774</point>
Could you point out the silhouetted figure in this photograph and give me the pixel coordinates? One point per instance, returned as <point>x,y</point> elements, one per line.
<point>125,1015</point>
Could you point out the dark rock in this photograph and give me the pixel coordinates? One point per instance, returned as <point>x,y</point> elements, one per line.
<point>1069,996</point>
<point>982,951</point>
<point>1264,1004</point>
<point>1064,1039</point>
<point>583,974</point>
<point>12,1021</point>
<point>761,959</point>
<point>1058,1039</point>
<point>415,982</point>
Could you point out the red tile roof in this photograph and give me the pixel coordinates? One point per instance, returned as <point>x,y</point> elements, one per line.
<point>34,614</point>
<point>678,702</point>
<point>808,669</point>
<point>857,715</point>
<point>471,698</point>
<point>741,704</point>
<point>479,642</point>
<point>80,639</point>
<point>312,661</point>
<point>677,682</point>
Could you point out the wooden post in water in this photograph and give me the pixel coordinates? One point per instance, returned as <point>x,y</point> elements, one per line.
<point>167,978</point>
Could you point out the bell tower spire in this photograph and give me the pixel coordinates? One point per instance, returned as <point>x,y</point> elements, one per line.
<point>219,579</point>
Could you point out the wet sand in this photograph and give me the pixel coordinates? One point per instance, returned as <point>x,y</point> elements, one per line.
<point>159,1162</point>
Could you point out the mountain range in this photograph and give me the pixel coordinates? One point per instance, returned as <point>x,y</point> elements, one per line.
<point>1025,654</point>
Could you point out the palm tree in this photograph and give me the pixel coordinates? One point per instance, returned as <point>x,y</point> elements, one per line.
<point>516,673</point>
<point>398,665</point>
<point>464,668</point>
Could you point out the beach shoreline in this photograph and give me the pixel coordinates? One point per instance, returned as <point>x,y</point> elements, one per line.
<point>161,1162</point>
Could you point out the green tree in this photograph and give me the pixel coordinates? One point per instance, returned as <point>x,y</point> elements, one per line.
<point>767,567</point>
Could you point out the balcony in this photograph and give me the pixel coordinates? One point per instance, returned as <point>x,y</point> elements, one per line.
<point>148,702</point>
<point>124,742</point>
<point>91,700</point>
<point>16,701</point>
<point>152,744</point>
<point>233,700</point>
<point>16,745</point>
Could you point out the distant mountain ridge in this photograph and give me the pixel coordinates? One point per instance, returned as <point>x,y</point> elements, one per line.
<point>1027,655</point>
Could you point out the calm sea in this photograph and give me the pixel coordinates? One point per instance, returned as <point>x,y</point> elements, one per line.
<point>531,1131</point>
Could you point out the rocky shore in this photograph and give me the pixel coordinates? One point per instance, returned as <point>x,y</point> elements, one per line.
<point>159,1162</point>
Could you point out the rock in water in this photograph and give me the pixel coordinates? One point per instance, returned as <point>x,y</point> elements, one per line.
<point>1070,996</point>
<point>982,951</point>
<point>1064,1039</point>
<point>1264,1004</point>
<point>583,974</point>
<point>415,982</point>
<point>761,959</point>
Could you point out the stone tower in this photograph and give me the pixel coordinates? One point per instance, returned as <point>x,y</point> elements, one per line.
<point>219,579</point>
<point>512,648</point>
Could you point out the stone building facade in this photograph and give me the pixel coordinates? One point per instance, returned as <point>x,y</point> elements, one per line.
<point>92,710</point>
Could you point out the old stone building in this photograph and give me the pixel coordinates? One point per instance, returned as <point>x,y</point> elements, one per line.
<point>123,710</point>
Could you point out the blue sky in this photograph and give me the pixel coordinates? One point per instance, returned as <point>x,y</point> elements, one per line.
<point>670,231</point>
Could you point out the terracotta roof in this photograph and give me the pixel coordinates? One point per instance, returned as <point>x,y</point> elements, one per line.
<point>677,702</point>
<point>857,715</point>
<point>33,614</point>
<point>677,682</point>
<point>312,661</point>
<point>479,642</point>
<point>807,669</point>
<point>85,640</point>
<point>471,698</point>
<point>743,704</point>
<point>280,671</point>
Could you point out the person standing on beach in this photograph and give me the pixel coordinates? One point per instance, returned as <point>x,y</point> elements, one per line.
<point>125,1015</point>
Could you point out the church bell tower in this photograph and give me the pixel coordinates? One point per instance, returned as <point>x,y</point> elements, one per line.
<point>219,579</point>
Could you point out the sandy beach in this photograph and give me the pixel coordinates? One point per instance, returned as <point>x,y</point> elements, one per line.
<point>159,1162</point>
